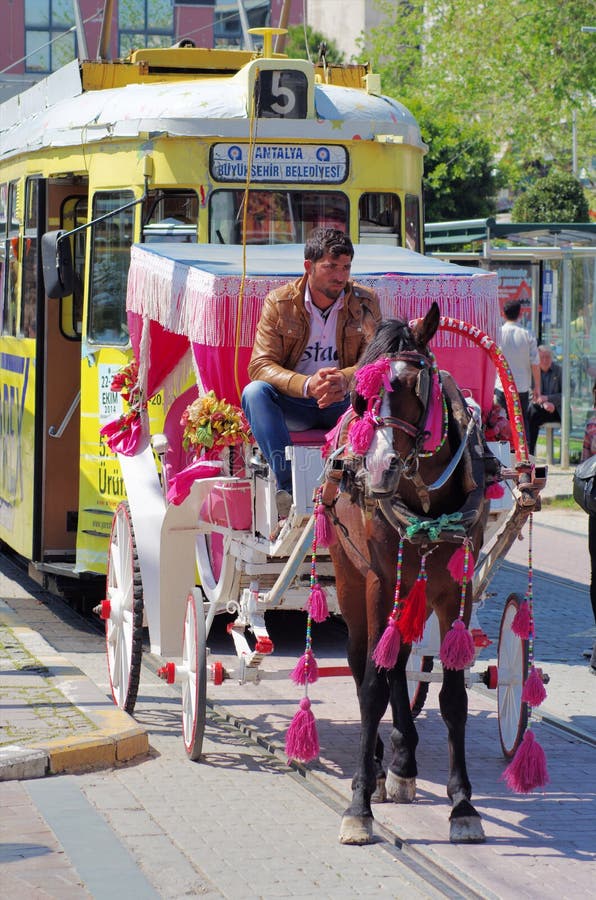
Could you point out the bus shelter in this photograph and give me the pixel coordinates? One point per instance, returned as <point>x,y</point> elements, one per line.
<point>551,269</point>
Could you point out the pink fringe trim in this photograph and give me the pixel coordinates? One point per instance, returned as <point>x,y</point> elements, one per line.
<point>302,740</point>
<point>386,652</point>
<point>457,649</point>
<point>527,770</point>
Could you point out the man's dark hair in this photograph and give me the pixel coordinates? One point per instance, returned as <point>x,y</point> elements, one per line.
<point>328,240</point>
<point>512,310</point>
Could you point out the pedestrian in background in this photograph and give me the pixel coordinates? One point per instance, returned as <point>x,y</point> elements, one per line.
<point>546,407</point>
<point>588,450</point>
<point>521,352</point>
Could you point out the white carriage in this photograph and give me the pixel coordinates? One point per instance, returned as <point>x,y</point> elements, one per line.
<point>216,545</point>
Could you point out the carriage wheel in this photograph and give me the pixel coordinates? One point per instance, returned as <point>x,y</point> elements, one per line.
<point>217,567</point>
<point>124,624</point>
<point>194,685</point>
<point>418,690</point>
<point>512,665</point>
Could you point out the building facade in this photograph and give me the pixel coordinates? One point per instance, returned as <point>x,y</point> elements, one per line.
<point>40,36</point>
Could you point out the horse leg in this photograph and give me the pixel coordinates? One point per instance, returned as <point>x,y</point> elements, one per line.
<point>380,793</point>
<point>401,777</point>
<point>373,695</point>
<point>465,823</point>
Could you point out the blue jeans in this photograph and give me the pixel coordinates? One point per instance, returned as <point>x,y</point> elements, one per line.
<point>273,415</point>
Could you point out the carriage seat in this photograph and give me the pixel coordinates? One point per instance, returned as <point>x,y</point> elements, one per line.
<point>314,437</point>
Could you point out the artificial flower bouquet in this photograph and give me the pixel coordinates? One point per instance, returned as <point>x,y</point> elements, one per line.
<point>124,434</point>
<point>211,424</point>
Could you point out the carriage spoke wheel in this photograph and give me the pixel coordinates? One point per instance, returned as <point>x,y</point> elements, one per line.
<point>512,665</point>
<point>218,572</point>
<point>194,676</point>
<point>418,690</point>
<point>124,626</point>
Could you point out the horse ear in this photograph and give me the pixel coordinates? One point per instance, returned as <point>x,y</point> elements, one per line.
<point>425,329</point>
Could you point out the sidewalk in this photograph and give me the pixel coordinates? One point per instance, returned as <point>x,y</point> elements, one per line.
<point>53,718</point>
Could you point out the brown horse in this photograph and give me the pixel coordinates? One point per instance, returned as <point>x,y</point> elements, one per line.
<point>401,511</point>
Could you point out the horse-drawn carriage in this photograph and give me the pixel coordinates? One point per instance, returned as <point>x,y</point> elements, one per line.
<point>193,311</point>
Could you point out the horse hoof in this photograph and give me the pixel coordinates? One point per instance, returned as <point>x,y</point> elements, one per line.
<point>400,790</point>
<point>380,794</point>
<point>356,830</point>
<point>466,830</point>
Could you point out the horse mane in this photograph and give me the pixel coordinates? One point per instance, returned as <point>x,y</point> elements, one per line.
<point>391,337</point>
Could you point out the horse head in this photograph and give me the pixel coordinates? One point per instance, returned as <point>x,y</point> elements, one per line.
<point>395,398</point>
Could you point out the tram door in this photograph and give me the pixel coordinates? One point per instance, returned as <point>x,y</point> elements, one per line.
<point>62,321</point>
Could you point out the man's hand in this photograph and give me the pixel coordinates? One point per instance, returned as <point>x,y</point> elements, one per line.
<point>328,385</point>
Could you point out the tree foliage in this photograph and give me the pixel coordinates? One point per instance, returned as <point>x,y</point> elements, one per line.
<point>297,45</point>
<point>459,180</point>
<point>558,197</point>
<point>518,69</point>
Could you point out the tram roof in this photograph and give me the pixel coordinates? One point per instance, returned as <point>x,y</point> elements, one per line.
<point>58,112</point>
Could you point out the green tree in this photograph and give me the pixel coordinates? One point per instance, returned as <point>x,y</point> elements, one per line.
<point>296,45</point>
<point>559,197</point>
<point>459,177</point>
<point>521,69</point>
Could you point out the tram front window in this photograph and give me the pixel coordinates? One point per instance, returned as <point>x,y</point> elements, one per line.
<point>110,259</point>
<point>274,217</point>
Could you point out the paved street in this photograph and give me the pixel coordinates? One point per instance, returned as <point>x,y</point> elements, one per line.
<point>241,824</point>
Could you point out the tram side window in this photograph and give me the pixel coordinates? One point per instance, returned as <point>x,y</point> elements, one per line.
<point>170,216</point>
<point>73,215</point>
<point>274,217</point>
<point>28,323</point>
<point>10,247</point>
<point>380,219</point>
<point>110,259</point>
<point>413,223</point>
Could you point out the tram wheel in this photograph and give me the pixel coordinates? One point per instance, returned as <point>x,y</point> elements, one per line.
<point>512,667</point>
<point>124,624</point>
<point>418,690</point>
<point>194,684</point>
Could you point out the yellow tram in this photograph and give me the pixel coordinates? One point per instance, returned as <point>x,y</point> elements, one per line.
<point>180,144</point>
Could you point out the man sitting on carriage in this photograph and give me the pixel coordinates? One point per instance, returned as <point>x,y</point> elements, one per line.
<point>310,335</point>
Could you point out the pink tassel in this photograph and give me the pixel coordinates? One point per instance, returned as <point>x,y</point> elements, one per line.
<point>317,604</point>
<point>324,531</point>
<point>455,566</point>
<point>386,651</point>
<point>306,670</point>
<point>457,649</point>
<point>413,615</point>
<point>302,740</point>
<point>534,691</point>
<point>371,378</point>
<point>527,770</point>
<point>522,621</point>
<point>361,434</point>
<point>494,491</point>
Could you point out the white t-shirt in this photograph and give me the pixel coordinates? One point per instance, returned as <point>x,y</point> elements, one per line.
<point>521,352</point>
<point>321,349</point>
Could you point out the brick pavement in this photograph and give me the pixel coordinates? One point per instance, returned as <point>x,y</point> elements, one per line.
<point>541,845</point>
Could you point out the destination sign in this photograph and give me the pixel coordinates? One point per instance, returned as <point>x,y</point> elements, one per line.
<point>320,164</point>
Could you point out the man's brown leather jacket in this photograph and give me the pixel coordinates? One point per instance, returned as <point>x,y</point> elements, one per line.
<point>284,328</point>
